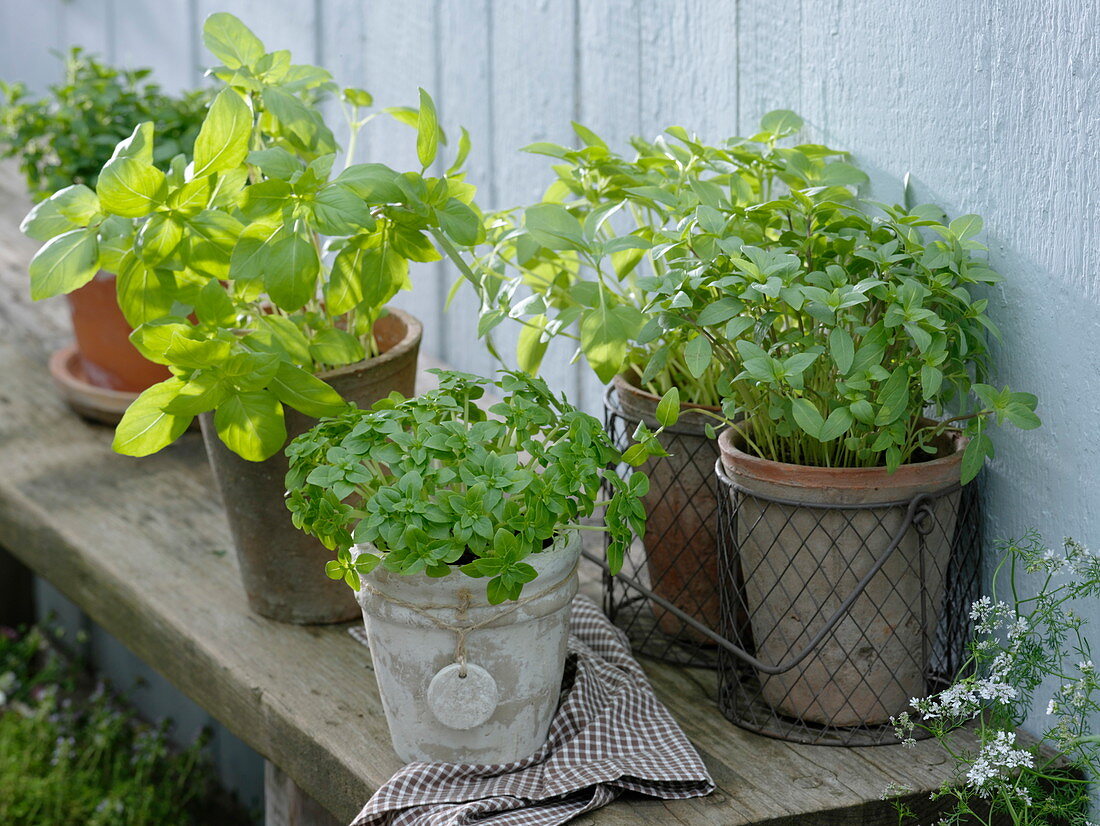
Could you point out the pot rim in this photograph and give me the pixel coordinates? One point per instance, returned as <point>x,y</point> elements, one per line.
<point>622,382</point>
<point>943,469</point>
<point>413,332</point>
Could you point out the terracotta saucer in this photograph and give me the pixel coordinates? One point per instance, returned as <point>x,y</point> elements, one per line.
<point>98,404</point>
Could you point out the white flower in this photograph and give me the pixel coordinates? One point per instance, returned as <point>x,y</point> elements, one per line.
<point>996,760</point>
<point>1051,707</point>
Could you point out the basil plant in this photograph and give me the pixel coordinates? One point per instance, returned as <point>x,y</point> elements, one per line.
<point>252,265</point>
<point>433,484</point>
<point>847,333</point>
<point>580,264</point>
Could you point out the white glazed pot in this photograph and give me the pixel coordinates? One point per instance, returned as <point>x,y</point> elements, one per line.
<point>499,708</point>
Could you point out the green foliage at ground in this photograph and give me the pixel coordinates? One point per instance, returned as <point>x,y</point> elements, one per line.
<point>68,756</point>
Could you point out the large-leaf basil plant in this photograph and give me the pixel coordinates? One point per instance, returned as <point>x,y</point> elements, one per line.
<point>251,266</point>
<point>578,264</point>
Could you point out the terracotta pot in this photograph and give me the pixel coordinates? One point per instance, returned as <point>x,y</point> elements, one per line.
<point>681,507</point>
<point>800,562</point>
<point>107,357</point>
<point>282,568</point>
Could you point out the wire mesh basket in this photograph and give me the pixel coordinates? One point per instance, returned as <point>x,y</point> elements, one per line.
<point>829,617</point>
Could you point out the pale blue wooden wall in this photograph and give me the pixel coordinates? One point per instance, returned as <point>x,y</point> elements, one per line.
<point>992,107</point>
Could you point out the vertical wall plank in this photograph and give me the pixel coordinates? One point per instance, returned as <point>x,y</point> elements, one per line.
<point>466,99</point>
<point>534,90</point>
<point>90,24</point>
<point>158,34</point>
<point>769,39</point>
<point>401,40</point>
<point>609,101</point>
<point>29,36</point>
<point>689,67</point>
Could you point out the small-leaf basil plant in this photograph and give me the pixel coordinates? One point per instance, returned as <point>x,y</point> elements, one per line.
<point>435,483</point>
<point>250,266</point>
<point>848,332</point>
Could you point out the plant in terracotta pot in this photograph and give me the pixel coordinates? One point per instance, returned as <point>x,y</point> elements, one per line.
<point>260,277</point>
<point>853,348</point>
<point>62,140</point>
<point>460,531</point>
<point>579,266</point>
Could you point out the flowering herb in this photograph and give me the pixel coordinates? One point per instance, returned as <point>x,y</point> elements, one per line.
<point>434,483</point>
<point>66,137</point>
<point>1019,647</point>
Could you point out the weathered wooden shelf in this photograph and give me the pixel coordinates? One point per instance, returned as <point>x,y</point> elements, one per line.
<point>142,546</point>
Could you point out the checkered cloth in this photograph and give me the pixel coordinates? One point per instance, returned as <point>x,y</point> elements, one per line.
<point>610,735</point>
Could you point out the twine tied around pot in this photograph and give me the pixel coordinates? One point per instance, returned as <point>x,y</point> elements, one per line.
<point>462,630</point>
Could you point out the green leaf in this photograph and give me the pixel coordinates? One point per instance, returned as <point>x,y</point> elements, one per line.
<point>966,226</point>
<point>554,227</point>
<point>463,152</point>
<point>427,131</point>
<point>893,397</point>
<point>336,347</point>
<point>143,294</point>
<point>781,122</point>
<point>139,145</point>
<point>66,262</point>
<point>158,239</point>
<point>836,425</point>
<point>375,183</point>
<point>339,211</point>
<point>305,392</point>
<point>460,222</point>
<point>636,455</point>
<point>76,203</point>
<point>719,311</point>
<point>231,41</point>
<point>275,162</point>
<point>807,417</point>
<point>532,346</point>
<point>251,424</point>
<point>223,139</point>
<point>45,221</point>
<point>145,428</point>
<point>974,456</point>
<point>842,349</point>
<point>291,268</point>
<point>697,355</point>
<point>299,121</point>
<point>357,97</point>
<point>605,333</point>
<point>668,409</point>
<point>130,188</point>
<point>211,237</point>
<point>214,305</point>
<point>204,391</point>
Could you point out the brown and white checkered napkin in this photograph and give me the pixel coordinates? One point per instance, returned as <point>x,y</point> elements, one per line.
<point>610,735</point>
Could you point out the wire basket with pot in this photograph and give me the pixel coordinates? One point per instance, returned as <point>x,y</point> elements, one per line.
<point>854,353</point>
<point>260,277</point>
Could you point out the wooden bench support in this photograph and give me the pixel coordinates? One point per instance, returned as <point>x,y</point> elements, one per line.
<point>285,804</point>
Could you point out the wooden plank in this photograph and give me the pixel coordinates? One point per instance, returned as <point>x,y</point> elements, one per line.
<point>29,37</point>
<point>140,545</point>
